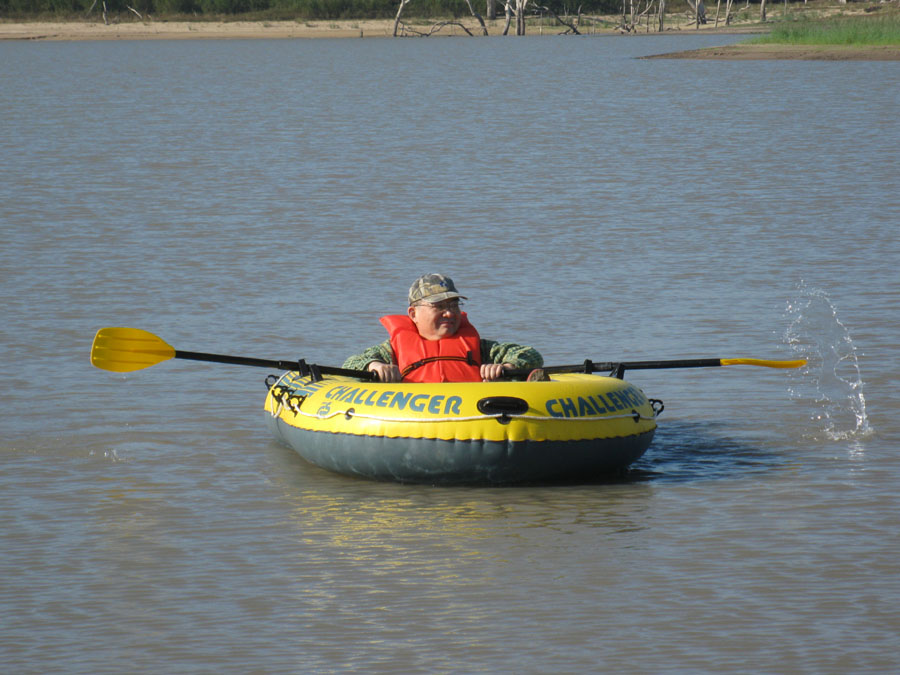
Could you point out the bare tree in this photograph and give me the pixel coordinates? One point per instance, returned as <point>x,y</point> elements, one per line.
<point>631,24</point>
<point>436,27</point>
<point>477,16</point>
<point>699,10</point>
<point>511,8</point>
<point>403,4</point>
<point>728,4</point>
<point>762,10</point>
<point>508,11</point>
<point>520,16</point>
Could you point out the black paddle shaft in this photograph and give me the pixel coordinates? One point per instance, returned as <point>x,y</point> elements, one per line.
<point>618,368</point>
<point>299,365</point>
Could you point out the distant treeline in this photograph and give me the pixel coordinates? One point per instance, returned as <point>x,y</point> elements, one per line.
<point>280,9</point>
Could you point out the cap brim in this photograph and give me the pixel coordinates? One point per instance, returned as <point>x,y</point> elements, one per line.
<point>438,297</point>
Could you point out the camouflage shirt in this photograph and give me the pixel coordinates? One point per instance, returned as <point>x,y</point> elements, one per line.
<point>491,352</point>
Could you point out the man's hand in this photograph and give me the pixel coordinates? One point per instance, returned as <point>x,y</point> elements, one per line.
<point>386,372</point>
<point>493,371</point>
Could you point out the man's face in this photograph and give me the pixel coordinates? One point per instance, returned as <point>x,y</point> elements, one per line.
<point>436,321</point>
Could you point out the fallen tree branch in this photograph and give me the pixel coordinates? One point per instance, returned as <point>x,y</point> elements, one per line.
<point>477,16</point>
<point>404,29</point>
<point>635,24</point>
<point>572,27</point>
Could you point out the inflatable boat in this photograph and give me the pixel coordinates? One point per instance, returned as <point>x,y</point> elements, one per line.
<point>575,426</point>
<point>572,426</point>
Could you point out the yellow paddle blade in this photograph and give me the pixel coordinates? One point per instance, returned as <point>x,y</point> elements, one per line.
<point>122,350</point>
<point>764,363</point>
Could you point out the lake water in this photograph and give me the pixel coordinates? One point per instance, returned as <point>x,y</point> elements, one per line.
<point>273,198</point>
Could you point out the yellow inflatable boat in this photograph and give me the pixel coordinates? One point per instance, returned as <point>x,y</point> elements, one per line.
<point>574,427</point>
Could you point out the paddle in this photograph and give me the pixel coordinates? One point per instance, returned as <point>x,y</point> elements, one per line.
<point>123,350</point>
<point>618,368</point>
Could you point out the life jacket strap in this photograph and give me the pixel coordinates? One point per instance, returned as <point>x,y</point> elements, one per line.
<point>431,359</point>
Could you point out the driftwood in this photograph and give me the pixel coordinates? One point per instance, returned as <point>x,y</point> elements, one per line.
<point>698,10</point>
<point>405,29</point>
<point>571,27</point>
<point>512,8</point>
<point>648,12</point>
<point>636,16</point>
<point>105,19</point>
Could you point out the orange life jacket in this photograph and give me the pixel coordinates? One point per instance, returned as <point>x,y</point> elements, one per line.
<point>453,359</point>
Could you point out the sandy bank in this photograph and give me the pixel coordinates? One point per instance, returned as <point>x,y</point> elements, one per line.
<point>745,52</point>
<point>174,30</point>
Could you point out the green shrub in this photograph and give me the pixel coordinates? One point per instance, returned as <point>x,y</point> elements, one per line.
<point>862,30</point>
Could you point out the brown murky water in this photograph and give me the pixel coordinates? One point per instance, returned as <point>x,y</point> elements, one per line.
<point>272,199</point>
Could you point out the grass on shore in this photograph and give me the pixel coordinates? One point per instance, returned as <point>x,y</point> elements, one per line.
<point>846,30</point>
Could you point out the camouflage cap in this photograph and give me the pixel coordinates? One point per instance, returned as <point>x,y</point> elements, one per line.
<point>433,288</point>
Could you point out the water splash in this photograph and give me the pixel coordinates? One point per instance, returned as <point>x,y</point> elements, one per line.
<point>831,379</point>
<point>110,454</point>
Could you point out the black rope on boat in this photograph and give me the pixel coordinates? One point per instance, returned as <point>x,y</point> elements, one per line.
<point>271,379</point>
<point>657,405</point>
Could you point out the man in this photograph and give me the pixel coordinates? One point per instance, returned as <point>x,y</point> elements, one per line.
<point>434,342</point>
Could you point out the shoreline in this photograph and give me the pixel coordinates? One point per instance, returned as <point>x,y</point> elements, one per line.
<point>365,28</point>
<point>61,31</point>
<point>770,52</point>
<point>72,31</point>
